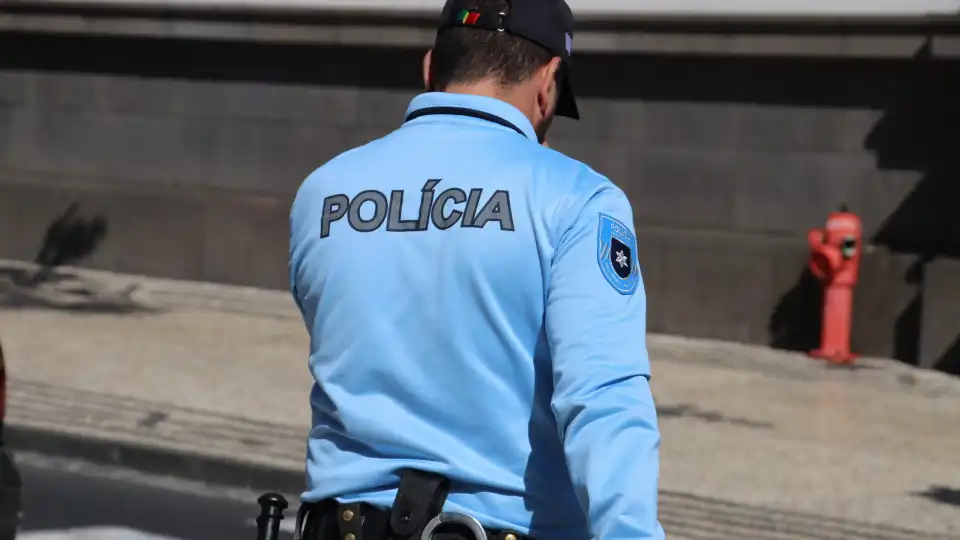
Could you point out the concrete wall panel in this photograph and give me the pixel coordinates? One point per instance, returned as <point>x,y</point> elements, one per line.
<point>940,312</point>
<point>728,161</point>
<point>246,241</point>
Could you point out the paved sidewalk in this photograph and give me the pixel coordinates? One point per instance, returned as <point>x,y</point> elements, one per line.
<point>758,444</point>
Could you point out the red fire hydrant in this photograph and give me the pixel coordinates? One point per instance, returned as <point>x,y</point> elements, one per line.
<point>835,260</point>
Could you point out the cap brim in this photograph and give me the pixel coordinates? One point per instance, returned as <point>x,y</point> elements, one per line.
<point>566,101</point>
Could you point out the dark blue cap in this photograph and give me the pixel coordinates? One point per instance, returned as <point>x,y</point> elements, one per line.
<point>549,23</point>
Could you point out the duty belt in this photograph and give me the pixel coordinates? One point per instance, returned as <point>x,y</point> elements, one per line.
<point>415,515</point>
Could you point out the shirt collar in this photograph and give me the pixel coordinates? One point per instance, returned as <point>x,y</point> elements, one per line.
<point>478,103</point>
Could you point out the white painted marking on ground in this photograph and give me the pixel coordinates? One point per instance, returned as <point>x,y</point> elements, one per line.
<point>92,533</point>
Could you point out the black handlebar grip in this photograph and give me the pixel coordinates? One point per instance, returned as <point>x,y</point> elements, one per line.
<point>272,506</point>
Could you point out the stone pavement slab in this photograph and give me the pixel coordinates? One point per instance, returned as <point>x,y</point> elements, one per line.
<point>757,443</point>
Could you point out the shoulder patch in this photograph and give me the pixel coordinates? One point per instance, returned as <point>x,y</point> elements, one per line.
<point>616,253</point>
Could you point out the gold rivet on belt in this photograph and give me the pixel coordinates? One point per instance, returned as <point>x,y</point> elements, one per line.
<point>510,537</point>
<point>347,516</point>
<point>349,536</point>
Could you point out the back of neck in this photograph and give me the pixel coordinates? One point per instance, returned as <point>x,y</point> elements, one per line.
<point>492,90</point>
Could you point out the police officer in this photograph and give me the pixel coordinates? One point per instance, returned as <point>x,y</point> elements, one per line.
<point>475,309</point>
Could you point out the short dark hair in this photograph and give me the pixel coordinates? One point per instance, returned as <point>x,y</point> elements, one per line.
<point>464,55</point>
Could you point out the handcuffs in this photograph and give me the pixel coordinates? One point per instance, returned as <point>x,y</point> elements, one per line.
<point>444,518</point>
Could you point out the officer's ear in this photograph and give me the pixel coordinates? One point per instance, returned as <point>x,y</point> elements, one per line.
<point>548,92</point>
<point>427,78</point>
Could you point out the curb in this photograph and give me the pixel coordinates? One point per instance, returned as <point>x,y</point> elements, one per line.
<point>154,460</point>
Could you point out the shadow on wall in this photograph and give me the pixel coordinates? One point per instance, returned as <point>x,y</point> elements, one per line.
<point>68,240</point>
<point>918,131</point>
<point>795,322</point>
<point>364,67</point>
<point>950,360</point>
<point>907,329</point>
<point>913,134</point>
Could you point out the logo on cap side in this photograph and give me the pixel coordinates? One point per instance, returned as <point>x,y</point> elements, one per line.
<point>569,44</point>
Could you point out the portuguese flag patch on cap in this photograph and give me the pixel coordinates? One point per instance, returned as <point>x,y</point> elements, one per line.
<point>468,17</point>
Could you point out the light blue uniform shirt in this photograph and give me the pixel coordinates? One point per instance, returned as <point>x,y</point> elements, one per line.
<point>475,310</point>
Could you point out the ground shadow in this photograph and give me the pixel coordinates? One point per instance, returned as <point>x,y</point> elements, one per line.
<point>944,495</point>
<point>64,290</point>
<point>689,411</point>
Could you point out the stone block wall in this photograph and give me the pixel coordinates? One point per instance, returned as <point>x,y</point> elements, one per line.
<point>192,151</point>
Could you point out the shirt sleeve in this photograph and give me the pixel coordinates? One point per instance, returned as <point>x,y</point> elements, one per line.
<point>596,329</point>
<point>299,231</point>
